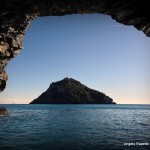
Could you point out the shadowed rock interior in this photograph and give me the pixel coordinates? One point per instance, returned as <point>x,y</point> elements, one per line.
<point>15,16</point>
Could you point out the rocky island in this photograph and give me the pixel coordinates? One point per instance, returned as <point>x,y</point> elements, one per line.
<point>71,91</point>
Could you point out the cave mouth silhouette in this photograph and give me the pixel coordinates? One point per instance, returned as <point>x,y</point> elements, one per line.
<point>40,25</point>
<point>15,17</point>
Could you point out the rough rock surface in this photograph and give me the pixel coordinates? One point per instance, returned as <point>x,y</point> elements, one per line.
<point>15,16</point>
<point>3,111</point>
<point>70,91</point>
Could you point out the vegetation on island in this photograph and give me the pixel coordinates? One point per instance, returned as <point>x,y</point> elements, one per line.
<point>71,91</point>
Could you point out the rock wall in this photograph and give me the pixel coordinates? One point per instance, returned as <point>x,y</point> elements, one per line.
<point>15,16</point>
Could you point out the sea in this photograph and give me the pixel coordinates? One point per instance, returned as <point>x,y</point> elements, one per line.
<point>75,127</point>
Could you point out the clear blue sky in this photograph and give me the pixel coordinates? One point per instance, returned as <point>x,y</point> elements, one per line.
<point>94,49</point>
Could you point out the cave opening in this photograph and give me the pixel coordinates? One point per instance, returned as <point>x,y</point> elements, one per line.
<point>92,48</point>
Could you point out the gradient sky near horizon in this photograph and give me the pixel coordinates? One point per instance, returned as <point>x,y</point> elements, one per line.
<point>94,49</point>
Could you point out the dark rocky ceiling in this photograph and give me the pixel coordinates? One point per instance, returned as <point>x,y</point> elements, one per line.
<point>15,16</point>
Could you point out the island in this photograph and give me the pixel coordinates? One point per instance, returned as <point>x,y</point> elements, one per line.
<point>71,91</point>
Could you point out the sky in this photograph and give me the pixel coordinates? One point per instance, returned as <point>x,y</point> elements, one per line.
<point>93,49</point>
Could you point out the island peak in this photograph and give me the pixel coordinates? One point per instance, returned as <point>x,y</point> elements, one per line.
<point>71,91</point>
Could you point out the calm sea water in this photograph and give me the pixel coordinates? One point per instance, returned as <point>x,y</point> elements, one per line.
<point>75,127</point>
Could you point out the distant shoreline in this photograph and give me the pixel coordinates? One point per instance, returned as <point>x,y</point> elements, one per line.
<point>70,104</point>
